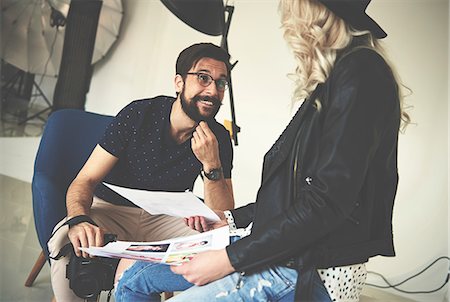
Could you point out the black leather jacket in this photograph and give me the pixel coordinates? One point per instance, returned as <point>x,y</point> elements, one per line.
<point>329,181</point>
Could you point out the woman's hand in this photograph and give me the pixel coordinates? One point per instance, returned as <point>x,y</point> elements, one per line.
<point>205,267</point>
<point>201,224</point>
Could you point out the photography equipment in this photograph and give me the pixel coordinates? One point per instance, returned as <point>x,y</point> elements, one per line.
<point>59,38</point>
<point>89,276</point>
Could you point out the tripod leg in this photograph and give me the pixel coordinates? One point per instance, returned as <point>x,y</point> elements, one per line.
<point>38,114</point>
<point>35,115</point>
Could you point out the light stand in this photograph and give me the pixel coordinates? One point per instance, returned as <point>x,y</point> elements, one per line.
<point>224,44</point>
<point>38,114</point>
<point>207,16</point>
<point>21,84</point>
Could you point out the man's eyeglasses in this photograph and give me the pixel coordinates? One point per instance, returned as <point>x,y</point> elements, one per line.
<point>205,80</point>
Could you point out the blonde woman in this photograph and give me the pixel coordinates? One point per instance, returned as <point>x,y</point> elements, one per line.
<point>329,182</point>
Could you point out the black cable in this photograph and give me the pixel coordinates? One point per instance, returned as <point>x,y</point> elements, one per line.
<point>394,286</point>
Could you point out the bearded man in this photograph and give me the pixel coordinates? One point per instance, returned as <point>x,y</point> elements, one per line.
<point>160,144</point>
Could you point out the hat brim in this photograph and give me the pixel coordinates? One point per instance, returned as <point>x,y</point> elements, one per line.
<point>353,12</point>
<point>367,23</point>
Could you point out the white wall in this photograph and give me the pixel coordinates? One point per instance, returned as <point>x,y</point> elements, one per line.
<point>142,63</point>
<point>418,44</point>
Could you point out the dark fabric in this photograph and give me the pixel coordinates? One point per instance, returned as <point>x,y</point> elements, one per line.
<point>148,157</point>
<point>329,182</point>
<point>75,71</point>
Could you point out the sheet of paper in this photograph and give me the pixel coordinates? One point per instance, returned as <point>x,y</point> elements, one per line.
<point>172,252</point>
<point>179,204</point>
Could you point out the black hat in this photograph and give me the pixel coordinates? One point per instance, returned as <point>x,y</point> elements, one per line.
<point>354,13</point>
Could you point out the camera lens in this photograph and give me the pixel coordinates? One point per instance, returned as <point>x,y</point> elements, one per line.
<point>88,277</point>
<point>86,286</point>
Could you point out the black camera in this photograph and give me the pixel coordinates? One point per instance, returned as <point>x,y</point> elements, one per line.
<point>88,277</point>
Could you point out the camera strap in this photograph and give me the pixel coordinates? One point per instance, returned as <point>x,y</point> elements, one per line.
<point>62,252</point>
<point>71,222</point>
<point>79,219</point>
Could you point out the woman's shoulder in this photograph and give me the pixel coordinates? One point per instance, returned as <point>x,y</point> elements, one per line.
<point>361,59</point>
<point>366,73</point>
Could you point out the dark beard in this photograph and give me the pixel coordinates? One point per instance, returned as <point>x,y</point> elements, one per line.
<point>192,110</point>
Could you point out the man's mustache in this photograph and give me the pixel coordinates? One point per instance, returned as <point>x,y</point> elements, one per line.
<point>212,99</point>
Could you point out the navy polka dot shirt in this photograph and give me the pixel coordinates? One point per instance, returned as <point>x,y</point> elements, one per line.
<point>148,157</point>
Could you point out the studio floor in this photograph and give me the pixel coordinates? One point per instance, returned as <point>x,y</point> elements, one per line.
<point>19,246</point>
<point>20,249</point>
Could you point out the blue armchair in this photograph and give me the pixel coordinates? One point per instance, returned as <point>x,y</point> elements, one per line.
<point>69,137</point>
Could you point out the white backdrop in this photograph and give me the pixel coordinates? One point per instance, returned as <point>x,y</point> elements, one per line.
<point>142,64</point>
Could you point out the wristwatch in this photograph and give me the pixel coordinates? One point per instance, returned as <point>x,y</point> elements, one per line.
<point>214,174</point>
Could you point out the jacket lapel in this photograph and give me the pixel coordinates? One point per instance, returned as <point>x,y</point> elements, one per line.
<point>284,144</point>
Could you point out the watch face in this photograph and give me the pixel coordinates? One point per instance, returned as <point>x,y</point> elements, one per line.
<point>214,174</point>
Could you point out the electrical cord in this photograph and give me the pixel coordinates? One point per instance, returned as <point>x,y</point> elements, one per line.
<point>394,286</point>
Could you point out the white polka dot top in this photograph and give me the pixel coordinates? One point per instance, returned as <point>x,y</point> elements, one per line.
<point>344,283</point>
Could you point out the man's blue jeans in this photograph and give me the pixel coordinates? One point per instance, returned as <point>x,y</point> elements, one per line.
<point>144,281</point>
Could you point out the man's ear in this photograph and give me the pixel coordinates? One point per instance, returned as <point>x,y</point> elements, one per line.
<point>179,82</point>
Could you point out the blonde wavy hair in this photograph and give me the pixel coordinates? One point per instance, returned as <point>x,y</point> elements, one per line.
<point>316,36</point>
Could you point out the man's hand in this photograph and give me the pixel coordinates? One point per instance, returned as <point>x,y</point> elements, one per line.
<point>84,235</point>
<point>205,267</point>
<point>205,147</point>
<point>201,224</point>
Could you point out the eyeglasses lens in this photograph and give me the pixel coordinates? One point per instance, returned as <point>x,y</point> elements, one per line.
<point>205,80</point>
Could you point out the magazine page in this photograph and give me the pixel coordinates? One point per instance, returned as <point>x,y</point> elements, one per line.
<point>172,252</point>
<point>178,204</point>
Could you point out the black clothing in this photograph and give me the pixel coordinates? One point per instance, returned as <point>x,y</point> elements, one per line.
<point>329,181</point>
<point>148,157</point>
